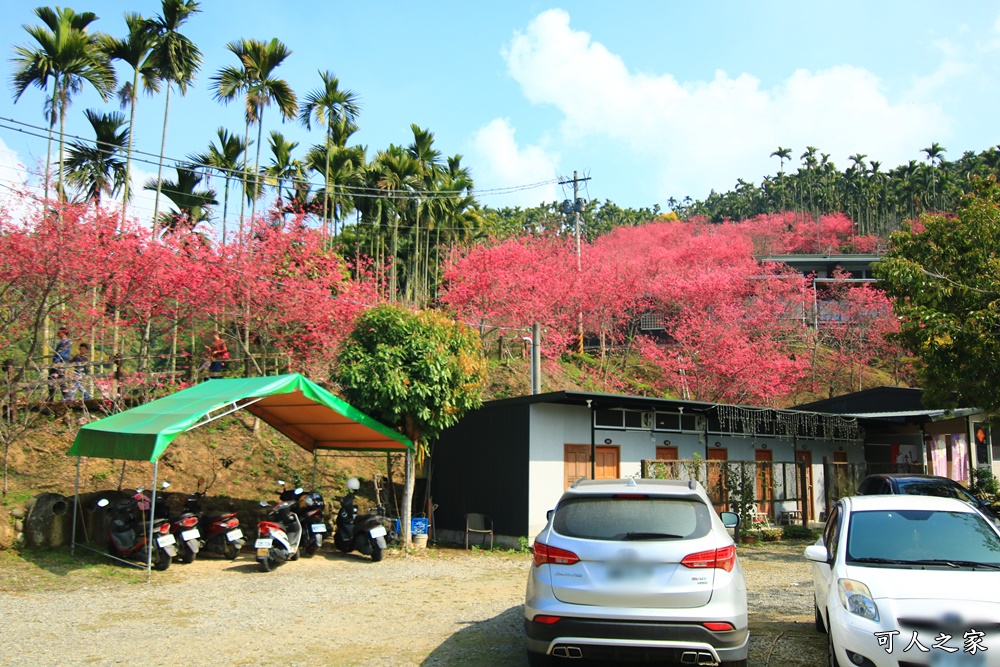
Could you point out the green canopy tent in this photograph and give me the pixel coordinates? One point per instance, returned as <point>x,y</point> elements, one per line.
<point>302,410</point>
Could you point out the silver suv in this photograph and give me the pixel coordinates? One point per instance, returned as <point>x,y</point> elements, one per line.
<point>637,569</point>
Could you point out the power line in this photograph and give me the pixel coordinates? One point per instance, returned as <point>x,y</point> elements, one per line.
<point>356,191</point>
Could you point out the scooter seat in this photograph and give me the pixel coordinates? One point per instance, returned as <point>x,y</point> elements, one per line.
<point>219,517</point>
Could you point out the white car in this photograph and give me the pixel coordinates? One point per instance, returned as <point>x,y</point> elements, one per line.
<point>902,581</point>
<point>637,569</point>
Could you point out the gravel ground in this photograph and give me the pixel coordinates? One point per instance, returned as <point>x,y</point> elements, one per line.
<point>441,607</point>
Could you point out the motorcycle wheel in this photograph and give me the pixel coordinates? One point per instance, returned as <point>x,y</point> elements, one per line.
<point>161,560</point>
<point>310,550</point>
<point>185,555</point>
<point>267,564</point>
<point>231,552</point>
<point>346,548</point>
<point>295,556</point>
<point>376,552</point>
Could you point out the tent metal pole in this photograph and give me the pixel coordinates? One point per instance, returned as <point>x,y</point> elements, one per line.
<point>152,513</point>
<point>315,459</point>
<point>76,503</point>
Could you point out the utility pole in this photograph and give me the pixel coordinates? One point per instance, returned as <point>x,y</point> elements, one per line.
<point>577,206</point>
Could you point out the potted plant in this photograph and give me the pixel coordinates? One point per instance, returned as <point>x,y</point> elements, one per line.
<point>771,534</point>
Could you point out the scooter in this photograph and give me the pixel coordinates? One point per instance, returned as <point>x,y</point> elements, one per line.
<point>279,534</point>
<point>220,533</point>
<point>128,534</point>
<point>365,533</point>
<point>184,528</point>
<point>309,507</point>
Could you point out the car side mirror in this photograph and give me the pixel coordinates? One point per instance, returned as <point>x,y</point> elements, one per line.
<point>817,553</point>
<point>549,515</point>
<point>730,519</point>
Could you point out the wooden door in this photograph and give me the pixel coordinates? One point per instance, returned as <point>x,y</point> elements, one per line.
<point>666,453</point>
<point>806,457</point>
<point>840,457</point>
<point>764,489</point>
<point>717,477</point>
<point>608,458</point>
<point>576,463</point>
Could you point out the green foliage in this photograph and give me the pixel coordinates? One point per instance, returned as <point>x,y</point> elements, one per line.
<point>416,371</point>
<point>945,279</point>
<point>984,483</point>
<point>797,532</point>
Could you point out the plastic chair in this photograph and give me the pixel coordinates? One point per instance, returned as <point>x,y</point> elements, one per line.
<point>478,523</point>
<point>759,519</point>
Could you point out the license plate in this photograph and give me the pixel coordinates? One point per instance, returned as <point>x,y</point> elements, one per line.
<point>165,540</point>
<point>960,658</point>
<point>319,527</point>
<point>234,534</point>
<point>631,574</point>
<point>262,553</point>
<point>189,535</point>
<point>378,531</point>
<point>263,543</point>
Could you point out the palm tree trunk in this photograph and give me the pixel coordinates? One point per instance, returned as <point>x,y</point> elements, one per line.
<point>225,208</point>
<point>256,164</point>
<point>62,143</point>
<point>326,185</point>
<point>128,155</point>
<point>163,148</point>
<point>52,131</point>
<point>246,158</point>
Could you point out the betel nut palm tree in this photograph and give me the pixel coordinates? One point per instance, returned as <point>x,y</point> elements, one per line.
<point>225,159</point>
<point>192,203</point>
<point>176,60</point>
<point>254,80</point>
<point>97,168</point>
<point>66,56</point>
<point>134,50</point>
<point>331,108</point>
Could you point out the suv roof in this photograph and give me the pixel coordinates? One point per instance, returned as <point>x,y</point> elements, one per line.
<point>665,486</point>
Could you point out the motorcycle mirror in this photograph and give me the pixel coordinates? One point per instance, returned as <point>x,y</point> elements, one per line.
<point>103,502</point>
<point>140,489</point>
<point>280,483</point>
<point>165,485</point>
<point>298,491</point>
<point>263,503</point>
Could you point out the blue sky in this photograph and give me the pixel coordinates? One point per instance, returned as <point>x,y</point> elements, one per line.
<point>651,99</point>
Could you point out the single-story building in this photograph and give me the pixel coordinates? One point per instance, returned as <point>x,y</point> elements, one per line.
<point>513,458</point>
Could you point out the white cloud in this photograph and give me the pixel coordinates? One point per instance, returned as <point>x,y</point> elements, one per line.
<point>697,135</point>
<point>501,162</point>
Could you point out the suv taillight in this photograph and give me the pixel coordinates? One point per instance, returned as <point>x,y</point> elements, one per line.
<point>724,558</point>
<point>543,554</point>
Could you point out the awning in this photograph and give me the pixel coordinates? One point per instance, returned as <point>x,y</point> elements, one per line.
<point>302,410</point>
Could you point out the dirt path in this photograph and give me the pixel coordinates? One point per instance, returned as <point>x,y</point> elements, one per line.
<point>443,607</point>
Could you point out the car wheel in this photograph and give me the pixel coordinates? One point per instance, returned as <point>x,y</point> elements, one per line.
<point>820,625</point>
<point>539,659</point>
<point>831,656</point>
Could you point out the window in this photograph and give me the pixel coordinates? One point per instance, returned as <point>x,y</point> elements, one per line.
<point>922,535</point>
<point>652,322</point>
<point>610,518</point>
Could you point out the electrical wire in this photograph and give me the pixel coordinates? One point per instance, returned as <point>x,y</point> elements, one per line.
<point>355,191</point>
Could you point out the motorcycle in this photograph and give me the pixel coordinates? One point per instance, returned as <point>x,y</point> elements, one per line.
<point>184,528</point>
<point>365,533</point>
<point>309,507</point>
<point>220,533</point>
<point>128,533</point>
<point>278,535</point>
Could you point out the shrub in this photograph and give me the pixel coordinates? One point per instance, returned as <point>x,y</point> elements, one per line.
<point>984,483</point>
<point>796,532</point>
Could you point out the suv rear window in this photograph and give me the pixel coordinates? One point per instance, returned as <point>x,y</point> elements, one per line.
<point>624,519</point>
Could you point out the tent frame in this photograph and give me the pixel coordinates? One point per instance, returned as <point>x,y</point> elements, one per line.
<point>210,416</point>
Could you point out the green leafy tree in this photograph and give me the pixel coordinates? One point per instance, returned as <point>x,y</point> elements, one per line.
<point>67,56</point>
<point>97,167</point>
<point>945,278</point>
<point>225,159</point>
<point>134,50</point>
<point>419,372</point>
<point>175,59</point>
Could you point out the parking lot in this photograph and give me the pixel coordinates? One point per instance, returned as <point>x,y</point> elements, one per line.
<point>444,607</point>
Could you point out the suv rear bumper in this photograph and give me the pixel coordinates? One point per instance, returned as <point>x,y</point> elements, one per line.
<point>606,639</point>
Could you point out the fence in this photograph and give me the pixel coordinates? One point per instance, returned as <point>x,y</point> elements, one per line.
<point>769,488</point>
